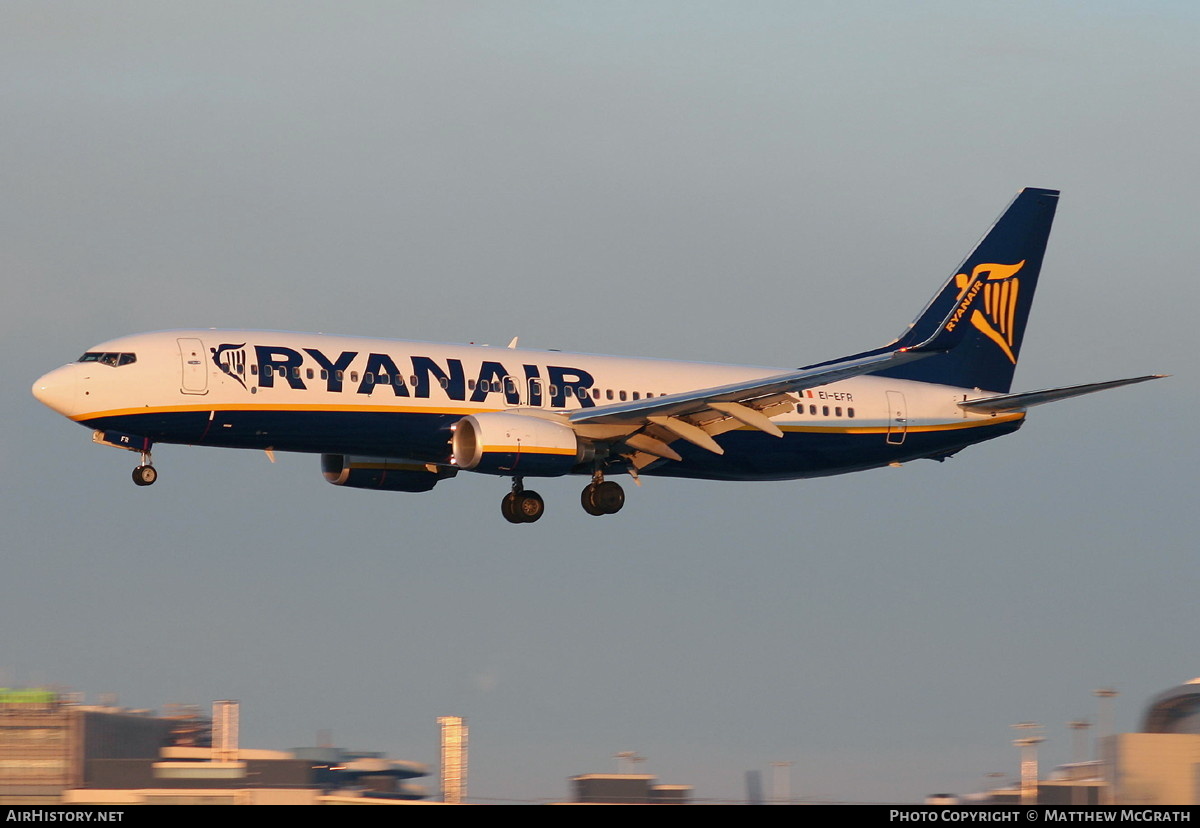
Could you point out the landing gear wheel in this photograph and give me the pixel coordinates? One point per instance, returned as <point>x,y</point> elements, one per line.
<point>145,475</point>
<point>604,498</point>
<point>522,507</point>
<point>588,499</point>
<point>508,508</point>
<point>530,506</point>
<point>610,497</point>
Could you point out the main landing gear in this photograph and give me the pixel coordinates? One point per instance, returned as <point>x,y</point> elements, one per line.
<point>521,506</point>
<point>602,497</point>
<point>145,474</point>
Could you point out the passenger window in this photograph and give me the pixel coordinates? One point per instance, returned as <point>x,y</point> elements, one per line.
<point>354,376</point>
<point>254,370</point>
<point>621,394</point>
<point>637,395</point>
<point>850,413</point>
<point>595,393</point>
<point>324,374</point>
<point>608,394</point>
<point>340,376</point>
<point>568,390</point>
<point>837,411</point>
<point>824,411</point>
<point>470,385</point>
<point>309,373</point>
<point>445,383</point>
<point>812,409</point>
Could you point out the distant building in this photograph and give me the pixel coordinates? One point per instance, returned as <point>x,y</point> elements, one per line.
<point>46,743</point>
<point>1158,766</point>
<point>55,750</point>
<point>1175,711</point>
<point>627,789</point>
<point>192,776</point>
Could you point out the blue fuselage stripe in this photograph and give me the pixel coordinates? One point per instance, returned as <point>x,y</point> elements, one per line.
<point>425,437</point>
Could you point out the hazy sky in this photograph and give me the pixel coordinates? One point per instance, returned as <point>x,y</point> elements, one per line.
<point>765,182</point>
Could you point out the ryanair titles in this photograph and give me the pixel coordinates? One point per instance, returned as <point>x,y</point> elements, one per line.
<point>963,305</point>
<point>410,376</point>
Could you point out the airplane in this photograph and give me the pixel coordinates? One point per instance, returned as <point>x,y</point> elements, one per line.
<point>402,416</point>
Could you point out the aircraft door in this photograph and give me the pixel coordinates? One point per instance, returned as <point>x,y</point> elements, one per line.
<point>192,361</point>
<point>897,418</point>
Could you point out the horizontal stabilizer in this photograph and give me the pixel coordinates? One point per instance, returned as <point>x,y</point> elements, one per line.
<point>1017,402</point>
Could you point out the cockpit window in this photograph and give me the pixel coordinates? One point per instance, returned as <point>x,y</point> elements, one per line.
<point>109,358</point>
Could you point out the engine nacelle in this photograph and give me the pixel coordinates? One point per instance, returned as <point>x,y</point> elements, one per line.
<point>389,474</point>
<point>517,444</point>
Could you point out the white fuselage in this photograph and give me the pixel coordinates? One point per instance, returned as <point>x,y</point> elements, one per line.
<point>321,393</point>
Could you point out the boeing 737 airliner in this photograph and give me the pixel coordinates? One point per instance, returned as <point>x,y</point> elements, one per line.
<point>401,416</point>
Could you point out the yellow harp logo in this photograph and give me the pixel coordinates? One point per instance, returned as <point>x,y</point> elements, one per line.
<point>1000,287</point>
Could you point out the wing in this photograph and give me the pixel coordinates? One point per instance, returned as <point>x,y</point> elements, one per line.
<point>648,426</point>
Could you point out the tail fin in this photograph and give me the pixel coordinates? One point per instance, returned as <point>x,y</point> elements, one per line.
<point>987,300</point>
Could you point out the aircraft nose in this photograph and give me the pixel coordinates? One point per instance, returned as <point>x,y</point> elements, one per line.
<point>57,389</point>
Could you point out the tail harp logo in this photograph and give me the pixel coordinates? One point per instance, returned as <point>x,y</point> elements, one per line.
<point>1000,290</point>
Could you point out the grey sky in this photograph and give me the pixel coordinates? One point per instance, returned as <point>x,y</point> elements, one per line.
<point>772,183</point>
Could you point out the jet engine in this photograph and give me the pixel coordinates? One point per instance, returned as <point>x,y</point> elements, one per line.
<point>518,444</point>
<point>388,474</point>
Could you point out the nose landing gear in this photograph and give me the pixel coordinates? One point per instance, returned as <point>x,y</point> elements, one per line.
<point>145,474</point>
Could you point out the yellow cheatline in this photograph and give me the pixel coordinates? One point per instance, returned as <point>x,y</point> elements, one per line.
<point>910,429</point>
<point>527,449</point>
<point>368,409</point>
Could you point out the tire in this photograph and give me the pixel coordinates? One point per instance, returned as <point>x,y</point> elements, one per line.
<point>145,475</point>
<point>609,497</point>
<point>588,500</point>
<point>508,508</point>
